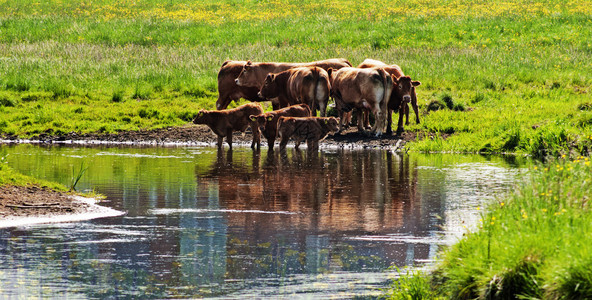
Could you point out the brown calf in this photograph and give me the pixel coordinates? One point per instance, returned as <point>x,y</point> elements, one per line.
<point>228,91</point>
<point>363,89</point>
<point>308,85</point>
<point>224,122</point>
<point>311,129</point>
<point>268,122</point>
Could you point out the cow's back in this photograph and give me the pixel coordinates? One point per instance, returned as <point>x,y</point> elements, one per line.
<point>228,90</point>
<point>391,69</point>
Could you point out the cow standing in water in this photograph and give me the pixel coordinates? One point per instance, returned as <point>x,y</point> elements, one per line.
<point>363,89</point>
<point>268,122</point>
<point>224,122</point>
<point>398,101</point>
<point>308,85</point>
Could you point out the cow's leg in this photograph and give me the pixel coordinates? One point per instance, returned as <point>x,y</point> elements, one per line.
<point>360,117</point>
<point>400,123</point>
<point>379,123</point>
<point>406,106</point>
<point>256,135</point>
<point>297,142</point>
<point>229,137</point>
<point>389,122</point>
<point>220,140</point>
<point>284,142</point>
<point>312,144</point>
<point>342,118</point>
<point>367,119</point>
<point>271,143</point>
<point>414,104</point>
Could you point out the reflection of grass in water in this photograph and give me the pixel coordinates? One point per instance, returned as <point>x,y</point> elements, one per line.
<point>535,244</point>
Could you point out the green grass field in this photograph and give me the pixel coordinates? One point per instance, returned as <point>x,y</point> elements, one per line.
<point>516,75</point>
<point>512,77</point>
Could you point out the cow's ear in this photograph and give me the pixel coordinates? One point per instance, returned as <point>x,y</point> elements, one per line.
<point>415,83</point>
<point>270,77</point>
<point>249,63</point>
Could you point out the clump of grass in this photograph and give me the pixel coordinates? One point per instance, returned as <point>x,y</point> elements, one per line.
<point>76,176</point>
<point>411,285</point>
<point>6,102</point>
<point>117,96</point>
<point>435,105</point>
<point>531,245</point>
<point>585,106</point>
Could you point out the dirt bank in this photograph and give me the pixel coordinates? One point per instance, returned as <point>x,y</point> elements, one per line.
<point>26,205</point>
<point>201,135</point>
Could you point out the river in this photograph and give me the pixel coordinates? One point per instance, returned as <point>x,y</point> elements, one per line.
<point>239,224</point>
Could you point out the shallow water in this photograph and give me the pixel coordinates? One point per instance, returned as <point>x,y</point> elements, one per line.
<point>208,223</point>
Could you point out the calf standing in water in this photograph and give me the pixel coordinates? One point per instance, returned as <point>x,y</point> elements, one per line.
<point>311,129</point>
<point>224,122</point>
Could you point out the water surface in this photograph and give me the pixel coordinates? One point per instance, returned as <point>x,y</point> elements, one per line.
<point>208,223</point>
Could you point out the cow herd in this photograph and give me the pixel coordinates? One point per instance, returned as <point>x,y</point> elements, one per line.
<point>298,90</point>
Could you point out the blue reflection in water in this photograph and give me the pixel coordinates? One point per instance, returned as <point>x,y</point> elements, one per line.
<point>240,224</point>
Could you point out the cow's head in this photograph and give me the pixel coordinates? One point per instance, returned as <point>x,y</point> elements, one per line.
<point>269,88</point>
<point>331,123</point>
<point>222,103</point>
<point>403,86</point>
<point>201,117</point>
<point>247,76</point>
<point>261,120</point>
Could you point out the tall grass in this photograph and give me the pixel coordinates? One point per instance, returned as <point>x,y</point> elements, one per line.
<point>532,245</point>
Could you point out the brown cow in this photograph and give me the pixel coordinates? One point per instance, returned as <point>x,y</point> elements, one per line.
<point>228,91</point>
<point>397,72</point>
<point>311,129</point>
<point>402,94</point>
<point>363,89</point>
<point>224,122</point>
<point>254,73</point>
<point>268,122</point>
<point>308,85</point>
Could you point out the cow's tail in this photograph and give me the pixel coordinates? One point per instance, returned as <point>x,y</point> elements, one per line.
<point>387,83</point>
<point>316,79</point>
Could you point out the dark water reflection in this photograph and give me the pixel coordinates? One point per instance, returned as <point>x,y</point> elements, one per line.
<point>239,224</point>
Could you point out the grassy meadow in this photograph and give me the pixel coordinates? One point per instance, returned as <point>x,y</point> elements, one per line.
<point>508,77</point>
<point>497,77</point>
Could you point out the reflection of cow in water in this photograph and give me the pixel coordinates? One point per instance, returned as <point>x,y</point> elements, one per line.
<point>356,193</point>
